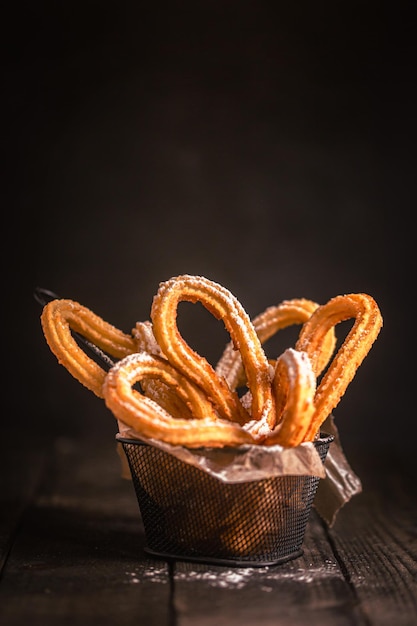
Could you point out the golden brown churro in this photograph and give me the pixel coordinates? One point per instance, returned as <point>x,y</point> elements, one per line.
<point>183,400</point>
<point>150,420</point>
<point>267,324</point>
<point>294,386</point>
<point>368,323</point>
<point>223,305</point>
<point>59,317</point>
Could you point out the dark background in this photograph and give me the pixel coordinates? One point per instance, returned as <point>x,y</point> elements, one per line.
<point>270,150</point>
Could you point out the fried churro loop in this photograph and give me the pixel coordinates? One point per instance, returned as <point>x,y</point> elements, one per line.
<point>267,324</point>
<point>368,322</point>
<point>59,317</point>
<point>169,398</point>
<point>149,419</point>
<point>223,305</point>
<point>155,389</point>
<point>294,386</point>
<point>183,399</point>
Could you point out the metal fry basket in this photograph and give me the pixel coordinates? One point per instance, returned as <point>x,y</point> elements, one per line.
<point>190,515</point>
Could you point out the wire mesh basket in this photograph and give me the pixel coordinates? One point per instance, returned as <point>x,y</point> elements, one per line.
<point>190,515</point>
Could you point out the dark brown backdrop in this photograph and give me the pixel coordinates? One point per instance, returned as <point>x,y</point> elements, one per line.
<point>271,151</point>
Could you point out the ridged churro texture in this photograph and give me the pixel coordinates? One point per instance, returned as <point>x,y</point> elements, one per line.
<point>164,390</point>
<point>367,325</point>
<point>224,306</point>
<point>61,316</point>
<point>151,420</point>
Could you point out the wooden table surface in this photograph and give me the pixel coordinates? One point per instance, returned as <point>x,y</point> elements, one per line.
<point>270,150</point>
<point>72,552</point>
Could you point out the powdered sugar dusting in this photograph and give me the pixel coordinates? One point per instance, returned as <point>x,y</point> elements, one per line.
<point>266,579</point>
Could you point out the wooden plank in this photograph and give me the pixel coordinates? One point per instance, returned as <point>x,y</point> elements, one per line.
<point>22,465</point>
<point>375,541</point>
<point>362,572</point>
<point>310,589</point>
<point>78,554</point>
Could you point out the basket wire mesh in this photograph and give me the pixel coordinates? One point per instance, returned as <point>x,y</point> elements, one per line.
<point>190,515</point>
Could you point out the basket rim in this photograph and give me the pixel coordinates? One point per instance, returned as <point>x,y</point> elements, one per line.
<point>323,438</point>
